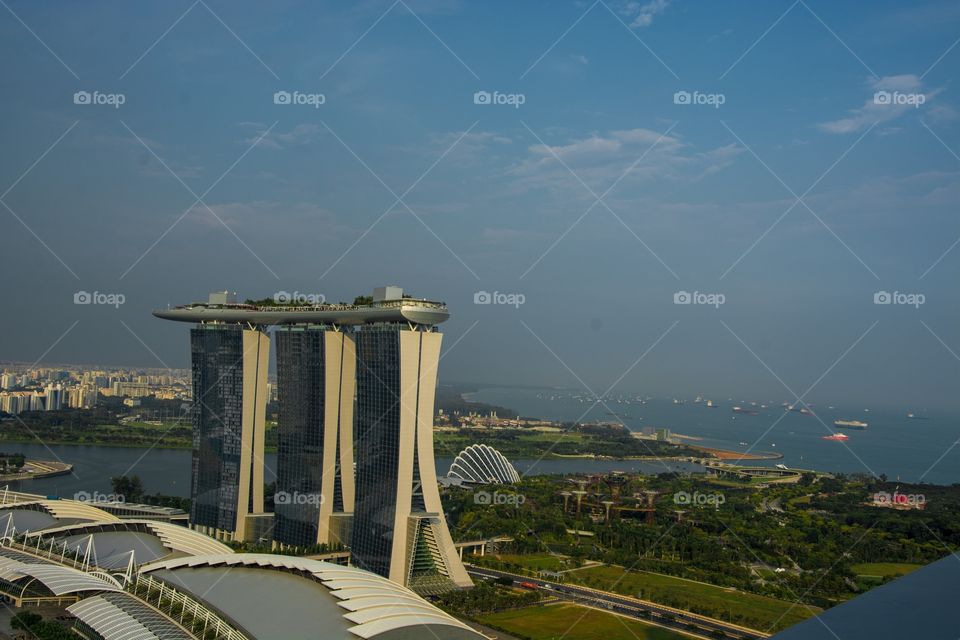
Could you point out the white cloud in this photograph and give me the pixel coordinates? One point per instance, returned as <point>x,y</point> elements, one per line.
<point>643,14</point>
<point>276,139</point>
<point>875,111</point>
<point>472,147</point>
<point>599,159</point>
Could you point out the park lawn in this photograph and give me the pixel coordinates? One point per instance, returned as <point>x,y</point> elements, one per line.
<point>146,426</point>
<point>884,569</point>
<point>535,561</point>
<point>533,443</point>
<point>573,622</point>
<point>747,609</point>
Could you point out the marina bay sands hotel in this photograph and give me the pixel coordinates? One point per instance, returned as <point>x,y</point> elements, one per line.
<point>355,463</point>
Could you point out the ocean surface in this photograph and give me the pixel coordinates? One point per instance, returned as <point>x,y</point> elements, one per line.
<point>924,448</point>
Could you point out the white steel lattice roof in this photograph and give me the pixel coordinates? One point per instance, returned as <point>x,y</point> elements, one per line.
<point>118,616</point>
<point>482,464</point>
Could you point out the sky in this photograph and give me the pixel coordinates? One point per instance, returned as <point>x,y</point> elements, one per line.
<point>779,166</point>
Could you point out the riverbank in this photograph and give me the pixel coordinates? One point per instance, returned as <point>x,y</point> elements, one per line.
<point>726,454</point>
<point>36,469</point>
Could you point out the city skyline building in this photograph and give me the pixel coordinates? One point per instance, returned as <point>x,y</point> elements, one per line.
<point>229,365</point>
<point>316,385</point>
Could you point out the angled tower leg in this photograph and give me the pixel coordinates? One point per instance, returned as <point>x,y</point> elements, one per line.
<point>230,397</point>
<point>399,528</point>
<point>316,369</point>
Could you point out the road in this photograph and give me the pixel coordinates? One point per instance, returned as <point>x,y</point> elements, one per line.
<point>631,607</point>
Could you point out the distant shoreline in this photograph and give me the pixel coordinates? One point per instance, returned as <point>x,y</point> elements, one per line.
<point>727,454</point>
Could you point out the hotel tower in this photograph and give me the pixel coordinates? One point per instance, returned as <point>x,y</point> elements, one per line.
<point>229,410</point>
<point>399,530</point>
<point>355,464</point>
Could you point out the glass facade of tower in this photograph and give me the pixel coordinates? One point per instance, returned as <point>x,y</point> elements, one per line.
<point>300,428</point>
<point>377,446</point>
<point>217,365</point>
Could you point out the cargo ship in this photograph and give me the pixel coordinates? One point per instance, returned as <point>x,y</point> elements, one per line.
<point>850,424</point>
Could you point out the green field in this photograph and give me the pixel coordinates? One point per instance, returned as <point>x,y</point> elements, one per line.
<point>747,609</point>
<point>573,622</point>
<point>530,441</point>
<point>884,569</point>
<point>532,561</point>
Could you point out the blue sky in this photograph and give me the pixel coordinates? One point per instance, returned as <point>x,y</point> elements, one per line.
<point>597,199</point>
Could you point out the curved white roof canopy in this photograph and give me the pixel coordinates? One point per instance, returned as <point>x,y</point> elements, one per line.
<point>71,510</point>
<point>367,605</point>
<point>482,464</point>
<point>172,540</point>
<point>119,616</point>
<point>58,579</point>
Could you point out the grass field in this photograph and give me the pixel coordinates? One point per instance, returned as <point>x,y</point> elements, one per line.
<point>743,608</point>
<point>534,561</point>
<point>573,622</point>
<point>884,569</point>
